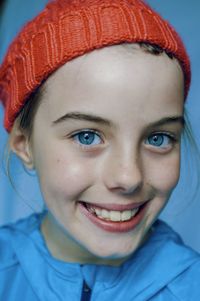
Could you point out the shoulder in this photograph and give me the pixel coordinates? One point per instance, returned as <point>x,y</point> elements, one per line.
<point>186,286</point>
<point>10,235</point>
<point>7,254</point>
<point>164,235</point>
<point>172,247</point>
<point>182,262</point>
<point>9,264</point>
<point>167,268</point>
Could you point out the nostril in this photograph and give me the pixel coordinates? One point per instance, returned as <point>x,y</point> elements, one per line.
<point>132,189</point>
<point>123,183</point>
<point>127,181</point>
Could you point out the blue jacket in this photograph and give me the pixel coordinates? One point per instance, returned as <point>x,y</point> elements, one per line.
<point>161,270</point>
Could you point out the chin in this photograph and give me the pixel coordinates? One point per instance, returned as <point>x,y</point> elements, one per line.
<point>117,250</point>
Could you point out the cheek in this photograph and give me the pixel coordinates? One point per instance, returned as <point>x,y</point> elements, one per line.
<point>163,174</point>
<point>62,174</point>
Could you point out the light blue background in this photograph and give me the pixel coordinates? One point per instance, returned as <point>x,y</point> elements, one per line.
<point>183,211</point>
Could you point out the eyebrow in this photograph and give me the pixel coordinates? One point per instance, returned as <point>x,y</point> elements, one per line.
<point>168,120</point>
<point>84,117</point>
<point>103,121</point>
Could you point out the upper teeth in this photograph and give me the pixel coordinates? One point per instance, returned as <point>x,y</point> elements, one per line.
<point>115,216</point>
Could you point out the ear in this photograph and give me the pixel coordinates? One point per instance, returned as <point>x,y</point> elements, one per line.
<point>21,146</point>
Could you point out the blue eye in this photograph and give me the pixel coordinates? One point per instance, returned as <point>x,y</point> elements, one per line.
<point>159,140</point>
<point>87,138</point>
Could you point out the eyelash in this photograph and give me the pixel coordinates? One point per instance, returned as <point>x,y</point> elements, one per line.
<point>76,136</point>
<point>171,137</point>
<point>165,135</point>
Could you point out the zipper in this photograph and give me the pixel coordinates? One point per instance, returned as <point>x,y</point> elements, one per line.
<point>86,292</point>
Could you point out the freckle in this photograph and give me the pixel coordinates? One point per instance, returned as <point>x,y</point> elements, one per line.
<point>58,160</point>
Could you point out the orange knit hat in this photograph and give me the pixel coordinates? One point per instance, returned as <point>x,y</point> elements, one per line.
<point>69,28</point>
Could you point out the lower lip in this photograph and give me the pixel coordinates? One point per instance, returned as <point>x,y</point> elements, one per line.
<point>115,227</point>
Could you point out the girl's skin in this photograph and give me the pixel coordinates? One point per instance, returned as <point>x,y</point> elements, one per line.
<point>130,103</point>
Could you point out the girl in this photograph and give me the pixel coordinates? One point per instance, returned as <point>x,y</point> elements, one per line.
<point>94,95</point>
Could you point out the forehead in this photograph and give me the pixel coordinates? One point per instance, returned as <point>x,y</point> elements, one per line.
<point>126,78</point>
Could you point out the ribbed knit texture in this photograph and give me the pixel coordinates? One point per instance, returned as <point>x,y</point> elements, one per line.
<point>69,28</point>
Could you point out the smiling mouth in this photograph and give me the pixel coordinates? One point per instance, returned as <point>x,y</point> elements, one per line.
<point>114,220</point>
<point>112,215</point>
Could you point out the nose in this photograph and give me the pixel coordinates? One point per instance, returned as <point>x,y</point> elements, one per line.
<point>124,172</point>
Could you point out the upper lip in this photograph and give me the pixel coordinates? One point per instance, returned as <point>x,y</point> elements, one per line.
<point>116,207</point>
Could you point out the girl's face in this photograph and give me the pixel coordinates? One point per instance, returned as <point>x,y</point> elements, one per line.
<point>106,148</point>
